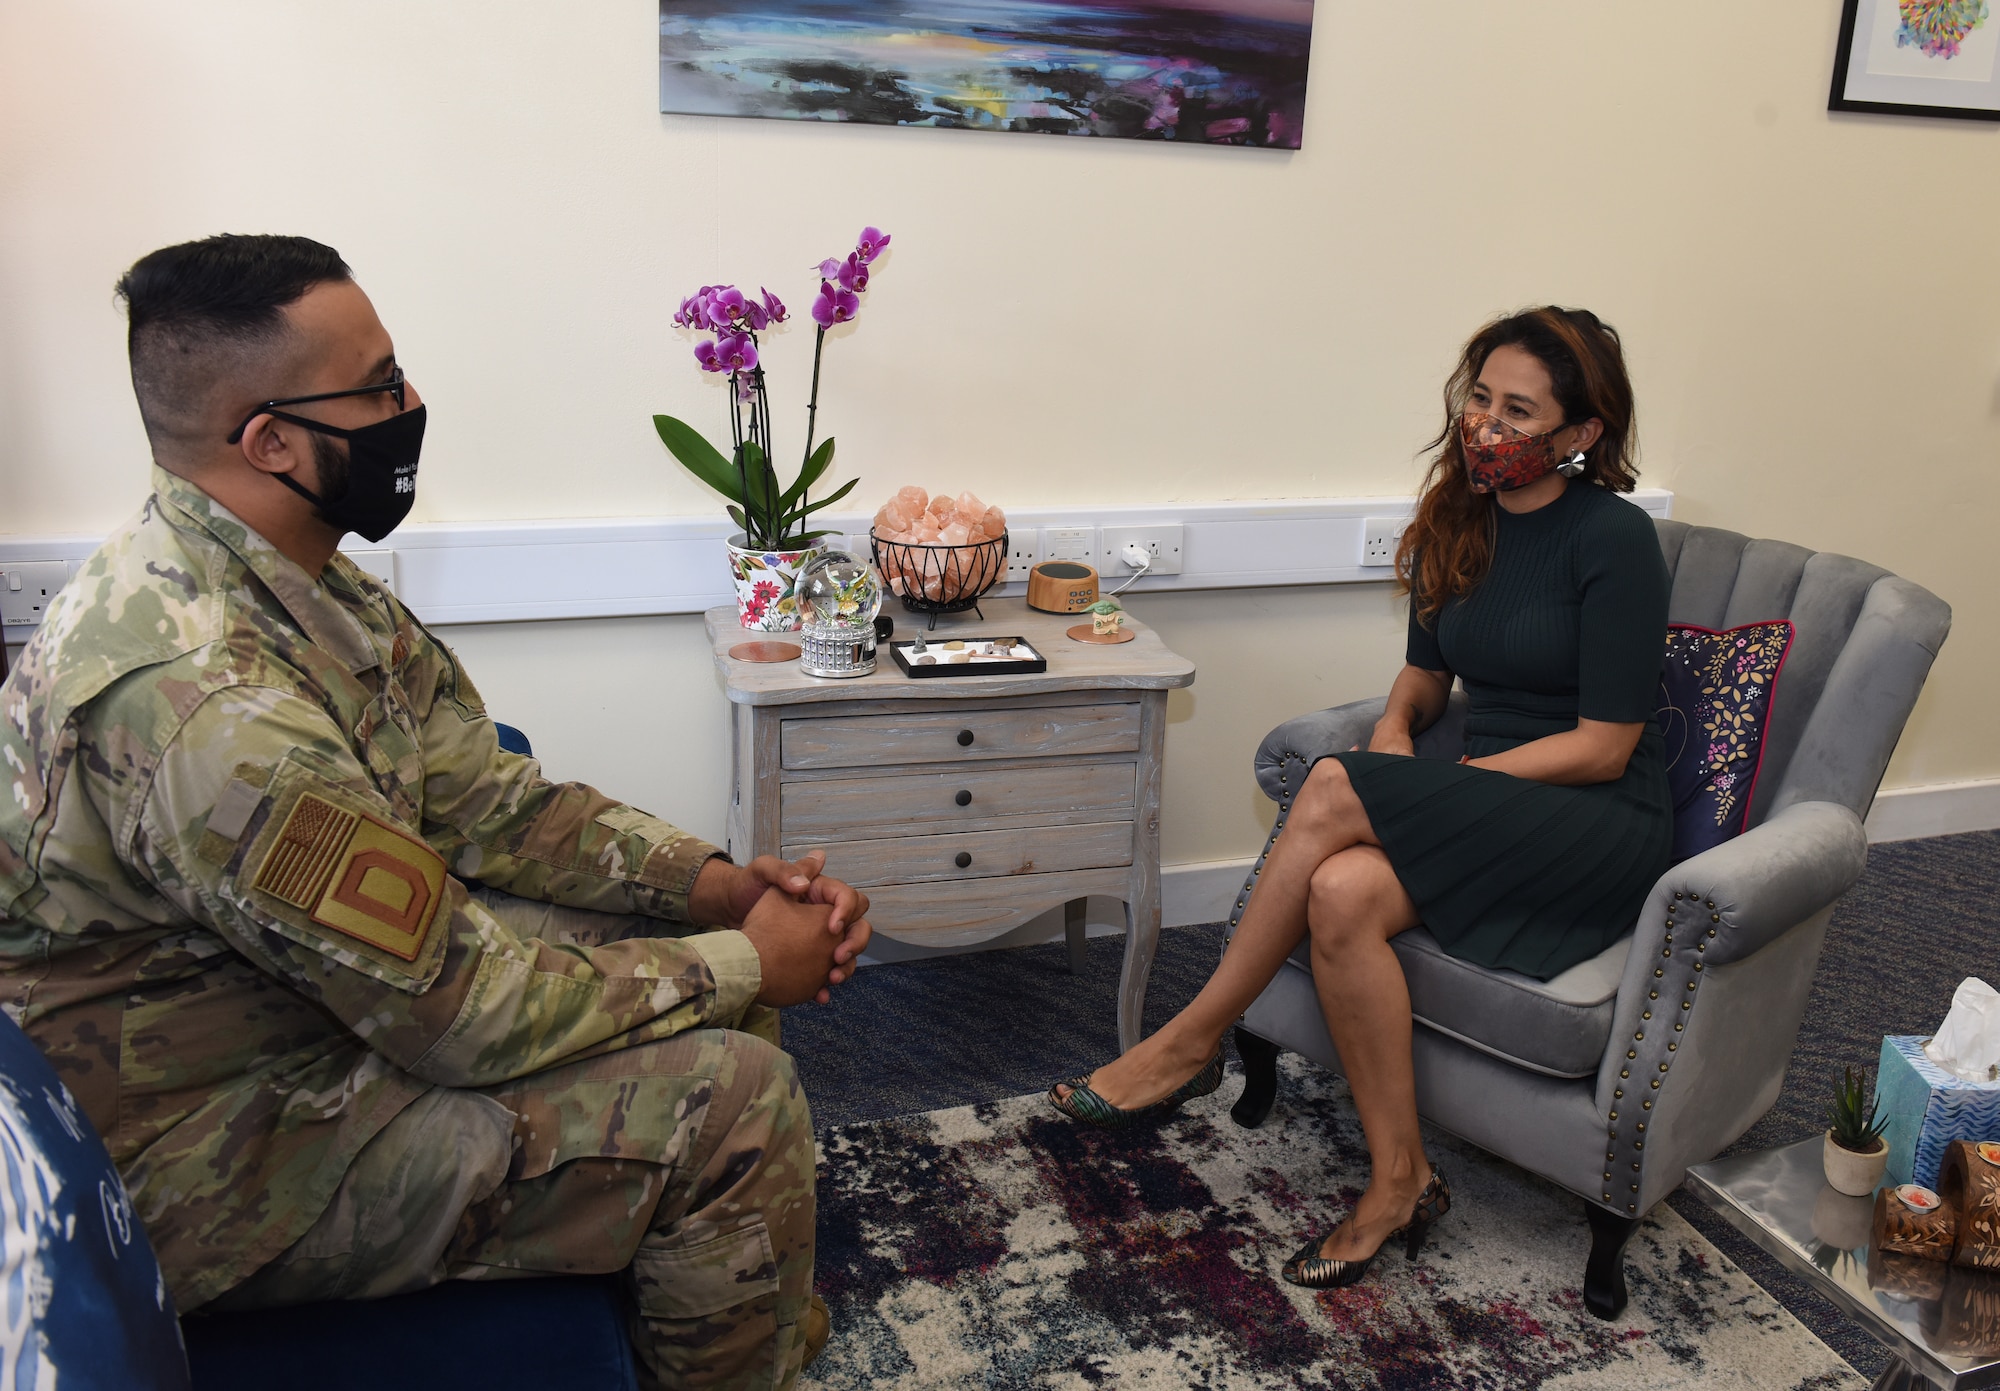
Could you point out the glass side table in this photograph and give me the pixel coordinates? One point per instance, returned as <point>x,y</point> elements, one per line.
<point>1940,1323</point>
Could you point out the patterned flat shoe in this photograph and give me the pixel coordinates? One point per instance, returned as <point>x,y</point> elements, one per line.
<point>1314,1271</point>
<point>1083,1104</point>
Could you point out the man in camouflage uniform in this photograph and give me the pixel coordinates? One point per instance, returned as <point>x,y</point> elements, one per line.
<point>359,1001</point>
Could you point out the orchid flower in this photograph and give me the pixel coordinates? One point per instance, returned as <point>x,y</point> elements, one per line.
<point>834,306</point>
<point>870,244</point>
<point>735,320</point>
<point>736,353</point>
<point>725,308</point>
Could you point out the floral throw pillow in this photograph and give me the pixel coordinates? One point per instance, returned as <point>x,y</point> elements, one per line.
<point>1715,701</point>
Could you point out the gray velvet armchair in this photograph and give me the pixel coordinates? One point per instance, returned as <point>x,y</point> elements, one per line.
<point>1614,1077</point>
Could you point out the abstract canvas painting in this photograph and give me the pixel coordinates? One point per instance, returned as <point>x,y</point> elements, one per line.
<point>1217,72</point>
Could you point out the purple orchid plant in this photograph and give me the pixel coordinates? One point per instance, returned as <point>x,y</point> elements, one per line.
<point>772,517</point>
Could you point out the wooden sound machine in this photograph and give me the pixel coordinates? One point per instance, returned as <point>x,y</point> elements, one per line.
<point>1062,586</point>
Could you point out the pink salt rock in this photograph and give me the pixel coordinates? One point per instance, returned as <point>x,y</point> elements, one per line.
<point>995,523</point>
<point>957,534</point>
<point>970,509</point>
<point>913,499</point>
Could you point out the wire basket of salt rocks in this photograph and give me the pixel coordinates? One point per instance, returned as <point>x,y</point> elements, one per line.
<point>939,554</point>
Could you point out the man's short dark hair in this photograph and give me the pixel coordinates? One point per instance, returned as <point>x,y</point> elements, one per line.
<point>207,321</point>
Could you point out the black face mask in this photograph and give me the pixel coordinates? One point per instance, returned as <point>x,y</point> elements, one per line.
<point>378,485</point>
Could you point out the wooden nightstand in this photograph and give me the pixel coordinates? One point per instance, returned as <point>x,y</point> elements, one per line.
<point>969,805</point>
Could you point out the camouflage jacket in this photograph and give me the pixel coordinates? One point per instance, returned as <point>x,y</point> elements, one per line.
<point>239,803</point>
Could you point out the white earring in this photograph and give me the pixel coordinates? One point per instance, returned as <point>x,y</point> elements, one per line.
<point>1572,466</point>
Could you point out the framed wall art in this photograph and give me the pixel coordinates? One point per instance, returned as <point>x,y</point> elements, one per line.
<point>1919,58</point>
<point>1215,72</point>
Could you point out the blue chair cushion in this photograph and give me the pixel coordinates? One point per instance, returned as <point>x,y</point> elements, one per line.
<point>1715,703</point>
<point>82,1301</point>
<point>563,1334</point>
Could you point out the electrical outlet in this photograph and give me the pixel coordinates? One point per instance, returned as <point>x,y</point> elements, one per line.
<point>1378,539</point>
<point>378,565</point>
<point>1162,542</point>
<point>26,588</point>
<point>1070,543</point>
<point>1024,550</point>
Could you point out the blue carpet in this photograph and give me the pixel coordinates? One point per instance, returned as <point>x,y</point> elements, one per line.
<point>919,1036</point>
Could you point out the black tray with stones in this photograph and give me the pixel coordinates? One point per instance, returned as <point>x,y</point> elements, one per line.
<point>1001,656</point>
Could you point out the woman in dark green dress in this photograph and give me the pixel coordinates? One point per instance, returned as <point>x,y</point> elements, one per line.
<point>1544,592</point>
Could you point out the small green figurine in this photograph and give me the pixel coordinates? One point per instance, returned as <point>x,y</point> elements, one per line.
<point>1106,618</point>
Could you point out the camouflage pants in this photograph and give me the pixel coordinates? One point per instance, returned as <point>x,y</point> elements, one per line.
<point>686,1163</point>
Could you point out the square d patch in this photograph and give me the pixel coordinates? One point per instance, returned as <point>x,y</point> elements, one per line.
<point>355,875</point>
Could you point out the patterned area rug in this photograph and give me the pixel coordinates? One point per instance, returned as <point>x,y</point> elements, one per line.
<point>1001,1246</point>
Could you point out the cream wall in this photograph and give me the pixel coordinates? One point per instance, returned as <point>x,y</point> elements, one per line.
<point>1810,304</point>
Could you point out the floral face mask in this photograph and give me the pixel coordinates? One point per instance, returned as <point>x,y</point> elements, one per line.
<point>1499,458</point>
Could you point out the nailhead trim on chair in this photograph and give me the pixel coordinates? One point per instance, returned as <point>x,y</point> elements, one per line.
<point>1636,1136</point>
<point>1284,810</point>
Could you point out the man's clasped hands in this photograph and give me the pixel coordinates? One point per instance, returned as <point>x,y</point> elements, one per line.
<point>806,927</point>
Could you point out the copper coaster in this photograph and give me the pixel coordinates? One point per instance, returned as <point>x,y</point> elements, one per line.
<point>1082,633</point>
<point>765,652</point>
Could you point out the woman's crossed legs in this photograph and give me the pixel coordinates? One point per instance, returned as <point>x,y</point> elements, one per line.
<point>1325,875</point>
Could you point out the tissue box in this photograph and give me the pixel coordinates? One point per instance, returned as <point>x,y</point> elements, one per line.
<point>1927,1108</point>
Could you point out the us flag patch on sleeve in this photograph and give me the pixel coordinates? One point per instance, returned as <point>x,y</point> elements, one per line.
<point>355,875</point>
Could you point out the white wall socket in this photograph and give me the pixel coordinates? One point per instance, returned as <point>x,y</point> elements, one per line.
<point>1070,543</point>
<point>379,565</point>
<point>1163,542</point>
<point>1024,550</point>
<point>26,588</point>
<point>1378,539</point>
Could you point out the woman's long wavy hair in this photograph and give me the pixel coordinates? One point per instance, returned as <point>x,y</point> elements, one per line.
<point>1446,550</point>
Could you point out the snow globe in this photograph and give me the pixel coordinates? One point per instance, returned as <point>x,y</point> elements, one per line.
<point>839,596</point>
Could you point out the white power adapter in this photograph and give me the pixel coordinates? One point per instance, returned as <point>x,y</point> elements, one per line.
<point>1140,559</point>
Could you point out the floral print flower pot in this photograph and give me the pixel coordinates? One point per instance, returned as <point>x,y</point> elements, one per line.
<point>767,585</point>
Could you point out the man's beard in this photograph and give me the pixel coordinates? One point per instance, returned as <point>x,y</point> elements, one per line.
<point>331,461</point>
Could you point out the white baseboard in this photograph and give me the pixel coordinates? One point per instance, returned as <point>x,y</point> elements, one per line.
<point>1201,891</point>
<point>1937,809</point>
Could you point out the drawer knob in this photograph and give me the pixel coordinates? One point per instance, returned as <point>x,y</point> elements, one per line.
<point>964,737</point>
<point>964,798</point>
<point>964,859</point>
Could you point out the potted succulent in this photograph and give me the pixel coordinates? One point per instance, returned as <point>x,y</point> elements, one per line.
<point>775,545</point>
<point>1855,1153</point>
